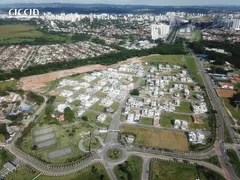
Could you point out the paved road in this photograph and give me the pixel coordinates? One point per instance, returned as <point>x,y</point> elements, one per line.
<point>145,168</point>
<point>222,118</point>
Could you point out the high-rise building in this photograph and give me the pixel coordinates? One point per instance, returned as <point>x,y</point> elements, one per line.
<point>159,31</point>
<point>232,23</point>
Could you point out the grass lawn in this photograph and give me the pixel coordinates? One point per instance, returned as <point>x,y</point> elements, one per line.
<point>165,59</point>
<point>22,173</point>
<point>184,107</point>
<point>234,160</point>
<point>173,171</point>
<point>158,138</point>
<point>166,120</point>
<point>227,137</point>
<point>8,84</point>
<point>193,69</point>
<point>97,107</point>
<point>114,154</point>
<point>197,36</point>
<point>146,121</point>
<point>93,172</point>
<point>4,157</point>
<point>91,116</point>
<point>214,160</point>
<point>132,167</point>
<point>232,109</point>
<point>93,143</point>
<point>18,31</point>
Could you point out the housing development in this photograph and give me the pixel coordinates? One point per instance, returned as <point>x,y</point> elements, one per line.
<point>119,92</point>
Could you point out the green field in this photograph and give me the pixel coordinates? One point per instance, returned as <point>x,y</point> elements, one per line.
<point>165,59</point>
<point>24,33</point>
<point>22,173</point>
<point>4,157</point>
<point>197,36</point>
<point>193,69</point>
<point>8,84</point>
<point>234,160</point>
<point>173,171</point>
<point>130,169</point>
<point>167,120</point>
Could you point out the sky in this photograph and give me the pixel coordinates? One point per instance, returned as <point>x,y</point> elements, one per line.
<point>135,2</point>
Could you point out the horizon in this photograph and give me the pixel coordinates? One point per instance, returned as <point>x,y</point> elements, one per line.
<point>129,2</point>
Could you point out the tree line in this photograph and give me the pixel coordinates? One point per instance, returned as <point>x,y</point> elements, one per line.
<point>106,59</point>
<point>233,50</point>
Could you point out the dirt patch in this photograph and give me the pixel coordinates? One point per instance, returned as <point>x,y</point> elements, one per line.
<point>38,83</point>
<point>226,93</point>
<point>158,138</point>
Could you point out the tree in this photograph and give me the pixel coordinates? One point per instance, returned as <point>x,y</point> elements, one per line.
<point>49,110</point>
<point>85,118</point>
<point>69,114</point>
<point>135,92</point>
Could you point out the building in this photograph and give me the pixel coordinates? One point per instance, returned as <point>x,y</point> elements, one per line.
<point>159,31</point>
<point>196,138</point>
<point>226,85</point>
<point>101,117</point>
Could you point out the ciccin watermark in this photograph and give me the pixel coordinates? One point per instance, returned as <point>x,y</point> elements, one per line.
<point>23,12</point>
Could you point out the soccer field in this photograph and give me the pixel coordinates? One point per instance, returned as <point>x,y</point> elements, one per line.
<point>158,138</point>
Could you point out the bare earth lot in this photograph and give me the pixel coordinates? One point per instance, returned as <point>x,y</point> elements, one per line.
<point>158,138</point>
<point>38,83</point>
<point>226,93</point>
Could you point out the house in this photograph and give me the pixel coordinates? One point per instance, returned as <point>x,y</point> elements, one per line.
<point>101,117</point>
<point>226,85</point>
<point>61,117</point>
<point>196,138</point>
<point>129,139</point>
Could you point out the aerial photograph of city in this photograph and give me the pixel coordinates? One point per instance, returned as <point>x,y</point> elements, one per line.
<point>119,90</point>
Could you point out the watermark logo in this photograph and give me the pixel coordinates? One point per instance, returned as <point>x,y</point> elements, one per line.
<point>23,12</point>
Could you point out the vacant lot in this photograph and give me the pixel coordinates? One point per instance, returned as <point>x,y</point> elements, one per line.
<point>225,93</point>
<point>173,171</point>
<point>158,138</point>
<point>167,120</point>
<point>38,83</point>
